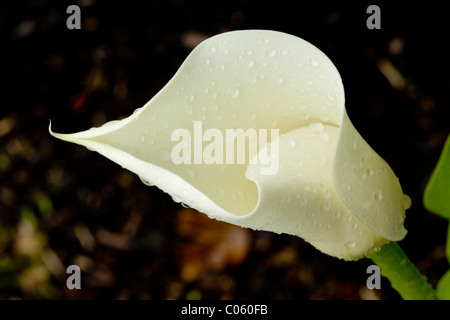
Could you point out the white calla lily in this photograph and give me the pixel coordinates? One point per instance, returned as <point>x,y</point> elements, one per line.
<point>325,185</point>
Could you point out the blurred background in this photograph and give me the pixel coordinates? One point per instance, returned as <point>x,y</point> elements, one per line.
<point>61,204</point>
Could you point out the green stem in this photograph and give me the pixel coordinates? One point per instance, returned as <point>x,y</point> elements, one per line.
<point>402,273</point>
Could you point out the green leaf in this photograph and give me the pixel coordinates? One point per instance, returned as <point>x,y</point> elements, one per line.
<point>437,193</point>
<point>443,287</point>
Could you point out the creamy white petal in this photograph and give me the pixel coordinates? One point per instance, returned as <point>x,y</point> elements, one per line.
<point>331,188</point>
<point>301,198</point>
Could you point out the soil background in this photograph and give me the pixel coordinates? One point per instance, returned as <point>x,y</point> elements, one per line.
<point>61,204</point>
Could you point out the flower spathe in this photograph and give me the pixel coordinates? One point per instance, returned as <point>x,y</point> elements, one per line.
<point>330,188</point>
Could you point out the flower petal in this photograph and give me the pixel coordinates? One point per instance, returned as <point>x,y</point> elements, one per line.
<point>302,200</point>
<point>263,80</point>
<point>367,184</point>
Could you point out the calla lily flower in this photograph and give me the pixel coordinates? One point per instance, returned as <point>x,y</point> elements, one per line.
<point>311,174</point>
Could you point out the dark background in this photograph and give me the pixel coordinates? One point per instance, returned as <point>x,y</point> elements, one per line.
<point>61,204</point>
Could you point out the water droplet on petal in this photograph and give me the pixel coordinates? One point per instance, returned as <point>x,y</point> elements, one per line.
<point>351,244</point>
<point>249,63</point>
<point>314,62</point>
<point>271,53</point>
<point>176,199</point>
<point>377,196</point>
<point>234,92</point>
<point>369,172</point>
<point>278,80</point>
<point>190,98</point>
<point>146,182</point>
<point>291,144</point>
<point>406,201</point>
<point>304,116</point>
<point>324,137</point>
<point>316,127</point>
